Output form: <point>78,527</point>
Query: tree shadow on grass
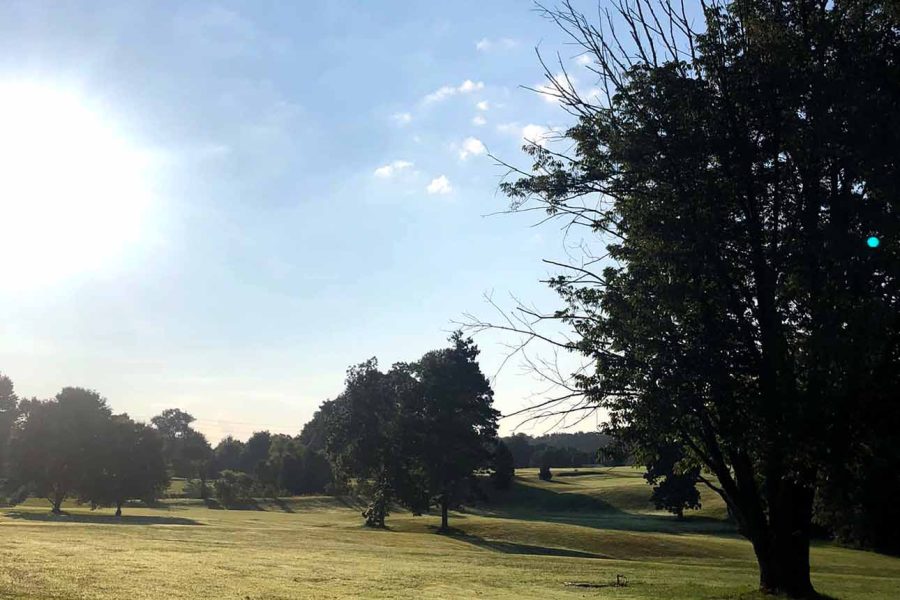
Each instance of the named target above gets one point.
<point>532,503</point>
<point>514,548</point>
<point>246,504</point>
<point>282,505</point>
<point>101,519</point>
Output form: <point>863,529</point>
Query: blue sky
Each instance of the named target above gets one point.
<point>317,184</point>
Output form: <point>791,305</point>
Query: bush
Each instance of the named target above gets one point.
<point>234,488</point>
<point>544,474</point>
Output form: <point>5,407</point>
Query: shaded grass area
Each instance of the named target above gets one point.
<point>99,518</point>
<point>316,547</point>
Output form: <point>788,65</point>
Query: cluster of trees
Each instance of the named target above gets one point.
<point>414,435</point>
<point>733,168</point>
<point>74,446</point>
<point>558,449</point>
<point>268,465</point>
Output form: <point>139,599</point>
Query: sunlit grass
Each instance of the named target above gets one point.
<point>315,547</point>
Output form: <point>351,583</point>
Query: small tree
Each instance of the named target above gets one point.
<point>674,480</point>
<point>544,473</point>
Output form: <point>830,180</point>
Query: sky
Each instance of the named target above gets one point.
<point>221,206</point>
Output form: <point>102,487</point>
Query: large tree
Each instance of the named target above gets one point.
<point>131,465</point>
<point>456,421</point>
<point>60,445</point>
<point>187,452</point>
<point>742,176</point>
<point>368,436</point>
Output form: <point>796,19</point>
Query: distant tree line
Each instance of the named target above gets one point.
<point>268,465</point>
<point>73,447</point>
<point>563,450</point>
<point>416,435</point>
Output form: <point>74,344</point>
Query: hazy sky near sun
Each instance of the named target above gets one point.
<point>317,181</point>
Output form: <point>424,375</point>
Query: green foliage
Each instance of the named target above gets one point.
<point>414,435</point>
<point>455,419</point>
<point>368,437</point>
<point>734,182</point>
<point>234,488</point>
<point>674,480</point>
<point>131,465</point>
<point>59,446</point>
<point>9,413</point>
<point>186,451</point>
<point>227,454</point>
<point>545,474</point>
<point>255,453</point>
<point>503,468</point>
<point>558,449</point>
<point>294,468</point>
<point>315,432</point>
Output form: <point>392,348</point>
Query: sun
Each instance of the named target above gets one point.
<point>73,191</point>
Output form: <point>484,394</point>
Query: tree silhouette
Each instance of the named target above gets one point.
<point>457,422</point>
<point>732,176</point>
<point>60,446</point>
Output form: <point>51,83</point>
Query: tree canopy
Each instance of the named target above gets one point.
<point>732,175</point>
<point>415,434</point>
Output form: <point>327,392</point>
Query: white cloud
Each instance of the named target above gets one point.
<point>471,147</point>
<point>486,45</point>
<point>479,120</point>
<point>483,105</point>
<point>389,170</point>
<point>439,185</point>
<point>531,133</point>
<point>593,95</point>
<point>549,91</point>
<point>446,91</point>
<point>470,86</point>
<point>440,94</point>
<point>584,59</point>
<point>537,134</point>
<point>509,127</point>
<point>402,118</point>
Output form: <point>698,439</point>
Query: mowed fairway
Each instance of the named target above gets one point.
<point>584,528</point>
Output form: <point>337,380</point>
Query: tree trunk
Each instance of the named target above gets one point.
<point>56,500</point>
<point>445,501</point>
<point>783,551</point>
<point>119,509</point>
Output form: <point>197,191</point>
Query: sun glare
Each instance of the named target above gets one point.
<point>73,190</point>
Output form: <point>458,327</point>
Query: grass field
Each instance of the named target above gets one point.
<point>585,527</point>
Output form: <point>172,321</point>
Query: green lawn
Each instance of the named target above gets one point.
<point>585,528</point>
